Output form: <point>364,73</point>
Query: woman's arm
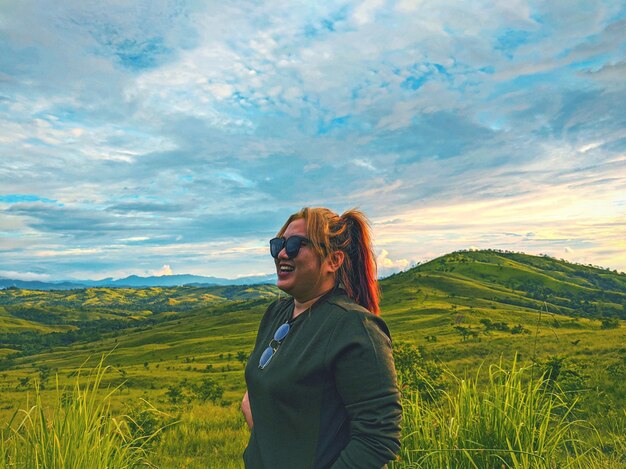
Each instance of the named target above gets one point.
<point>366,381</point>
<point>245,408</point>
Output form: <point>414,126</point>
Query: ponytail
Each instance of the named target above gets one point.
<point>358,272</point>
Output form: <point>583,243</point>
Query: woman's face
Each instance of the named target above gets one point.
<point>310,276</point>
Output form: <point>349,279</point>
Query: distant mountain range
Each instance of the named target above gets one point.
<point>134,281</point>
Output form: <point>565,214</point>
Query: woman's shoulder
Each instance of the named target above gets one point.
<point>342,303</point>
<point>349,314</point>
<point>356,335</point>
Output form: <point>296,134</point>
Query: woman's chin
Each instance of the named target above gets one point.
<point>284,284</point>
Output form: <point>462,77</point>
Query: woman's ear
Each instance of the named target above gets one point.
<point>335,260</point>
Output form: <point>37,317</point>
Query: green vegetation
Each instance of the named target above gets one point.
<point>37,321</point>
<point>206,436</point>
<point>501,279</point>
<point>182,349</point>
<point>78,431</point>
<point>513,421</point>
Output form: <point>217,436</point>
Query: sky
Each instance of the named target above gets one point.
<point>171,137</point>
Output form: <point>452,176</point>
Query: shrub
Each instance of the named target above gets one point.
<point>145,423</point>
<point>562,372</point>
<point>175,394</point>
<point>207,390</point>
<point>519,329</point>
<point>609,323</point>
<point>415,374</point>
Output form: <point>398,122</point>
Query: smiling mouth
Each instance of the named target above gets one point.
<point>285,268</point>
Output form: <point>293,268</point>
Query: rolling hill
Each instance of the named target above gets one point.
<point>502,279</point>
<point>476,284</point>
<point>472,297</point>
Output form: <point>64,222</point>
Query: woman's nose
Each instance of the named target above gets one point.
<point>283,253</point>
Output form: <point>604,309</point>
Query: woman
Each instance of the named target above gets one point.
<point>321,382</point>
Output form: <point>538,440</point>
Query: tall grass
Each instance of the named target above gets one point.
<point>511,422</point>
<point>207,436</point>
<point>76,431</point>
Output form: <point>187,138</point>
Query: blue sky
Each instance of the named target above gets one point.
<point>176,137</point>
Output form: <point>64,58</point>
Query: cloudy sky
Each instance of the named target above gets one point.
<point>152,137</point>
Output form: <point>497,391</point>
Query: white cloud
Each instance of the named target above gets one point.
<point>165,270</point>
<point>67,252</point>
<point>582,224</point>
<point>499,110</point>
<point>387,266</point>
<point>135,239</point>
<point>364,164</point>
<point>365,10</point>
<point>589,146</point>
<point>26,276</point>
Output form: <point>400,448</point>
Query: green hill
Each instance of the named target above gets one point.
<point>501,279</point>
<point>40,309</point>
<point>33,320</point>
<point>467,289</point>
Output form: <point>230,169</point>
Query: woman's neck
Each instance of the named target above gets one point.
<point>300,307</point>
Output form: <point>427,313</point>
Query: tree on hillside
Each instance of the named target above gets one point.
<point>207,389</point>
<point>242,357</point>
<point>145,423</point>
<point>561,371</point>
<point>609,323</point>
<point>490,325</point>
<point>519,329</point>
<point>174,394</point>
<point>23,382</point>
<point>466,332</point>
<point>44,374</point>
<point>415,374</point>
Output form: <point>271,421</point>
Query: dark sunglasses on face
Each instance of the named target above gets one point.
<point>292,245</point>
<point>271,349</point>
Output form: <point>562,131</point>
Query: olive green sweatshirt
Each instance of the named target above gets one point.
<point>328,398</point>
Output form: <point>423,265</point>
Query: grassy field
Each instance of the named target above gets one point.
<point>463,311</point>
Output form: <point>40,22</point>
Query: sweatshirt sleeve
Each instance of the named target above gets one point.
<point>360,356</point>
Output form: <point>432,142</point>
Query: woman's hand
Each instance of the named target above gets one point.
<point>245,408</point>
